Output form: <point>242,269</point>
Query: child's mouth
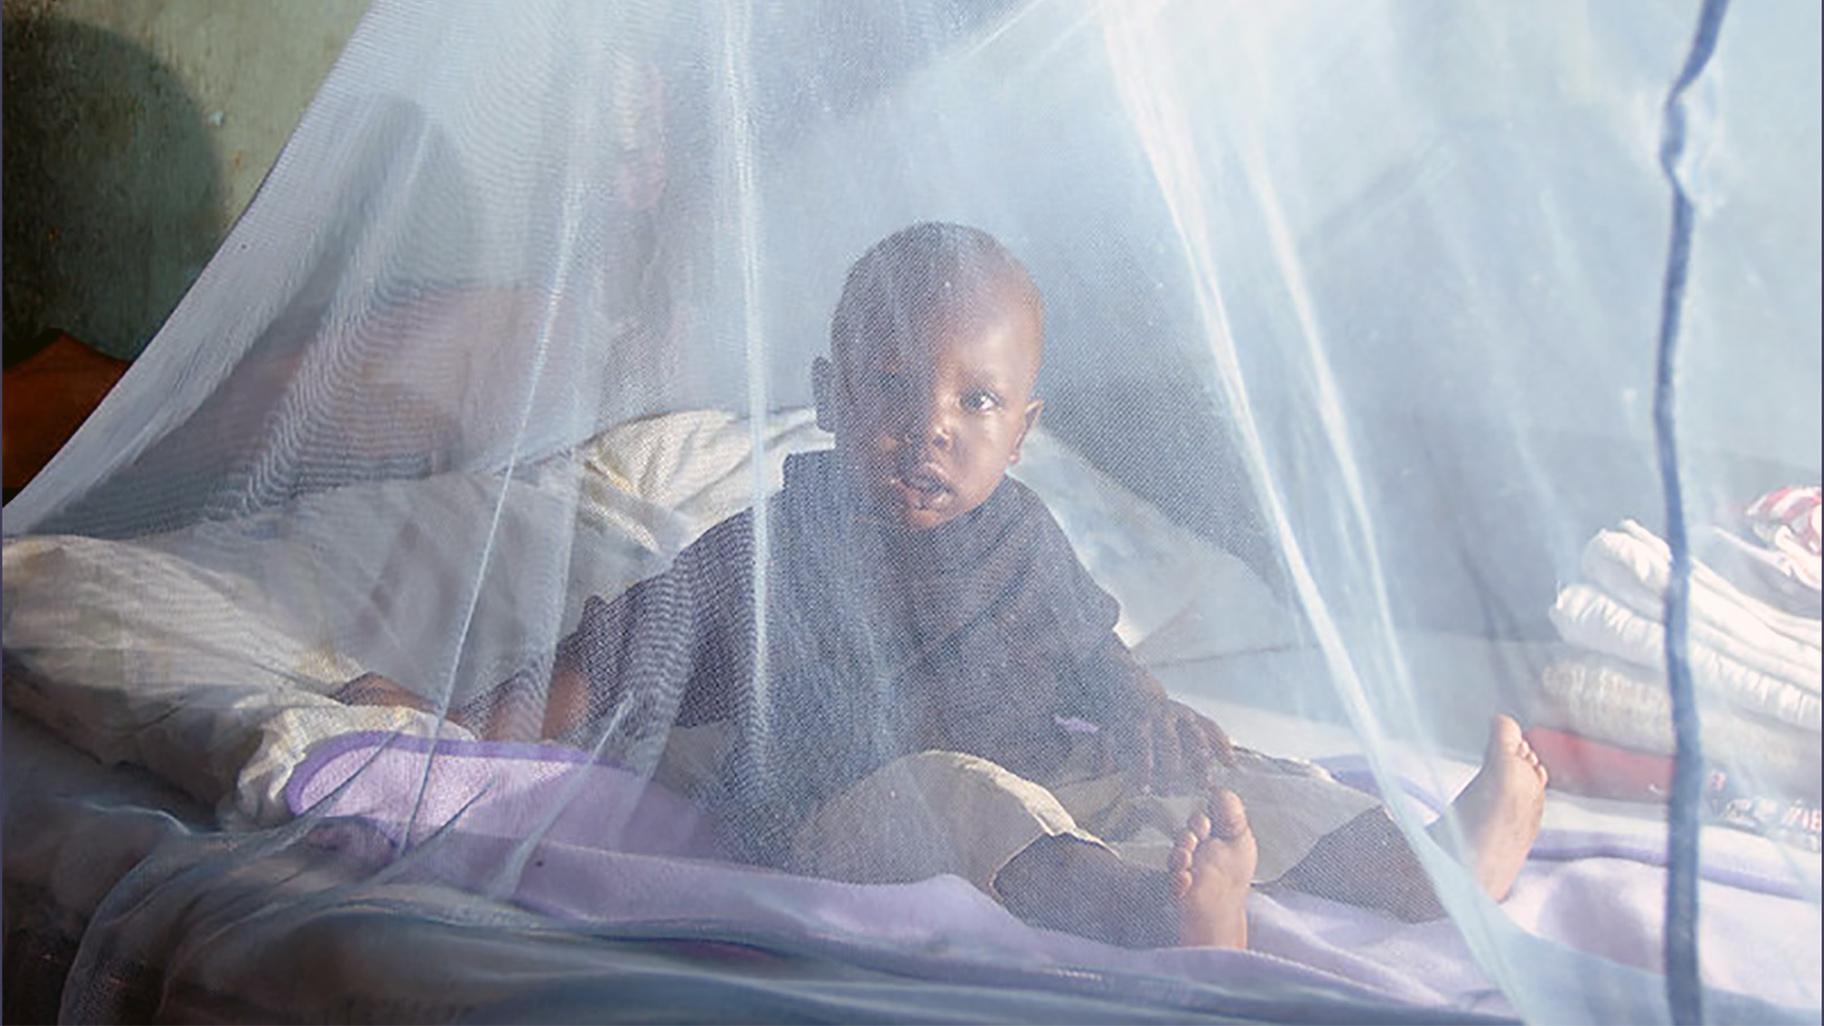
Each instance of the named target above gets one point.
<point>920,489</point>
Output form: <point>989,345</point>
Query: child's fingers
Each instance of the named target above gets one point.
<point>1199,826</point>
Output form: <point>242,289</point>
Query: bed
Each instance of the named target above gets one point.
<point>159,867</point>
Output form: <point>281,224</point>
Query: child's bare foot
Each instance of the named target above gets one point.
<point>1497,816</point>
<point>1212,870</point>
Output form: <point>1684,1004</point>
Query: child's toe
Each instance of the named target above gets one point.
<point>1182,852</point>
<point>1504,734</point>
<point>1230,817</point>
<point>1181,883</point>
<point>1198,827</point>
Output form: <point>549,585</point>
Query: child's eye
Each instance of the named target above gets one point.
<point>981,402</point>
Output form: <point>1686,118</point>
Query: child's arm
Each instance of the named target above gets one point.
<point>676,647</point>
<point>485,717</point>
<point>374,689</point>
<point>479,717</point>
<point>670,647</point>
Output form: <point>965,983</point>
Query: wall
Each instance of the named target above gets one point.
<point>135,133</point>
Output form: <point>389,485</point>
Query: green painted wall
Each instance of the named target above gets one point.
<point>135,132</point>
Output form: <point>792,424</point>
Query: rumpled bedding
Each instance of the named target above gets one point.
<point>1790,523</point>
<point>134,656</point>
<point>164,653</point>
<point>1635,566</point>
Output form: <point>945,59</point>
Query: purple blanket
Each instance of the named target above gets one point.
<point>622,855</point>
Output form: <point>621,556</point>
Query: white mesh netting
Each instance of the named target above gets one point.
<point>543,569</point>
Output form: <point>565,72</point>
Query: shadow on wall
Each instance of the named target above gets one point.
<point>112,185</point>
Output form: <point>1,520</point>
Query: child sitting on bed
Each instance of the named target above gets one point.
<point>942,689</point>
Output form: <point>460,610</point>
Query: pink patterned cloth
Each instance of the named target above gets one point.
<point>1793,511</point>
<point>1775,547</point>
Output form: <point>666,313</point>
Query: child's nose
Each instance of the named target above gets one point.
<point>929,420</point>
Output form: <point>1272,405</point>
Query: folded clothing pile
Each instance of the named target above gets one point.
<point>1755,645</point>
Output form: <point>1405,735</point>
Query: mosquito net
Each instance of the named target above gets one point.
<point>929,509</point>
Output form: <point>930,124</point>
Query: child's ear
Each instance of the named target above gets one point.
<point>823,391</point>
<point>1032,420</point>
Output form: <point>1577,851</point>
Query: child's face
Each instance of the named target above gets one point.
<point>926,425</point>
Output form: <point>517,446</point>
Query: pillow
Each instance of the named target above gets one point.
<point>137,656</point>
<point>447,584</point>
<point>668,479</point>
<point>450,584</point>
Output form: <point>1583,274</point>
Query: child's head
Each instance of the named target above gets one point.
<point>936,344</point>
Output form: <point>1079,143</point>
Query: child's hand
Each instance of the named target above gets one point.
<point>374,689</point>
<point>1172,748</point>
